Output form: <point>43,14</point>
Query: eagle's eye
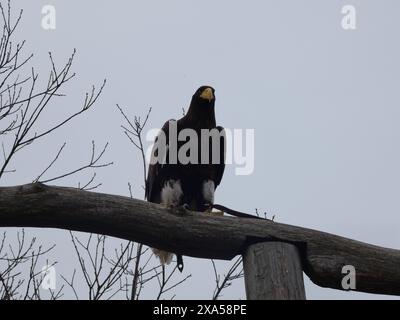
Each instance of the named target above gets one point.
<point>207,94</point>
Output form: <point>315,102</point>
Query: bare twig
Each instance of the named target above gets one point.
<point>15,281</point>
<point>92,164</point>
<point>234,273</point>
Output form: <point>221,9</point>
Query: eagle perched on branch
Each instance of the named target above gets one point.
<point>187,168</point>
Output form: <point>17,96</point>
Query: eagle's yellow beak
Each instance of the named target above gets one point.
<point>207,94</point>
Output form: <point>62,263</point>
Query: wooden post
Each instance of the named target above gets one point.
<point>273,271</point>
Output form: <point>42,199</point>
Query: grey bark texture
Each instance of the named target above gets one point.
<point>273,271</point>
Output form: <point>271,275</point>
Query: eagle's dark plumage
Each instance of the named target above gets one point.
<point>189,184</point>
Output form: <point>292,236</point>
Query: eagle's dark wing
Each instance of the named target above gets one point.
<point>155,176</point>
<point>220,168</point>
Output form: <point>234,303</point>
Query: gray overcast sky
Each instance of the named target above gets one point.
<point>324,103</point>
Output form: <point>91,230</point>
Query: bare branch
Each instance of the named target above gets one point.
<point>93,164</point>
<point>197,234</point>
<point>234,273</point>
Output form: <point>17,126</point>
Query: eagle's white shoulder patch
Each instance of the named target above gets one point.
<point>171,193</point>
<point>208,191</point>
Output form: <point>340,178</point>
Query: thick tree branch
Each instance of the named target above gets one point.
<point>197,235</point>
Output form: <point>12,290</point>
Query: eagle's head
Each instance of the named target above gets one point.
<point>201,110</point>
<point>204,96</point>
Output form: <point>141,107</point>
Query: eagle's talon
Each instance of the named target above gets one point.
<point>168,206</point>
<point>182,210</point>
<point>186,207</point>
<point>216,213</point>
<point>209,207</point>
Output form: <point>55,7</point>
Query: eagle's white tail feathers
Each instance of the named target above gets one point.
<point>164,256</point>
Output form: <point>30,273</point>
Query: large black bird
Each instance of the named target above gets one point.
<point>179,183</point>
